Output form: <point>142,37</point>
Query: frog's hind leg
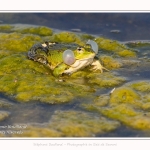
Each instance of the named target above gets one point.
<point>32,53</point>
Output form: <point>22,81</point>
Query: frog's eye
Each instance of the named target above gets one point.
<point>93,45</point>
<point>80,50</point>
<point>68,57</point>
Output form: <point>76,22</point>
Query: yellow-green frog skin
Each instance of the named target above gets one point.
<point>51,54</point>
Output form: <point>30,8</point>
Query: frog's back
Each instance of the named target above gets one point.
<point>55,53</point>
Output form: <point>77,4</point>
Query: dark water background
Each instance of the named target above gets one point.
<point>131,26</point>
<point>118,26</point>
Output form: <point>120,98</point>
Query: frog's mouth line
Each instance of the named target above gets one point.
<point>81,63</point>
<point>91,56</point>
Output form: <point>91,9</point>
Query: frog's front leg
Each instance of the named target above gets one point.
<point>59,70</point>
<point>97,66</point>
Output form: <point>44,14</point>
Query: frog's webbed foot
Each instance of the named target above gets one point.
<point>32,53</point>
<point>97,66</point>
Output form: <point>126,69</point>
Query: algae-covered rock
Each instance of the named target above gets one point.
<point>125,113</point>
<point>67,37</point>
<point>110,63</point>
<point>129,116</point>
<point>4,115</point>
<point>17,42</point>
<point>114,46</point>
<point>124,95</point>
<point>71,125</point>
<point>26,29</point>
<point>142,86</point>
<point>41,31</point>
<point>37,131</point>
<point>105,79</point>
<point>26,80</point>
<point>87,37</point>
<point>126,53</point>
<point>124,104</point>
<point>5,28</point>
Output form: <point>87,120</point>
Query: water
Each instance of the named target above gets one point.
<point>117,26</point>
<point>131,26</point>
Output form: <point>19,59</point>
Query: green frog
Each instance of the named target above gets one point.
<point>64,58</point>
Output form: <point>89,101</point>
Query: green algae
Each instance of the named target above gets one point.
<point>109,62</point>
<point>41,31</point>
<point>105,79</point>
<point>4,115</point>
<point>17,42</point>
<point>87,37</point>
<point>124,113</point>
<point>27,29</point>
<point>67,37</point>
<point>124,95</point>
<point>101,100</point>
<point>37,131</point>
<point>5,28</point>
<point>25,80</point>
<point>4,53</point>
<point>126,53</point>
<point>124,104</point>
<point>69,124</point>
<point>142,86</point>
<point>114,46</point>
<point>128,115</point>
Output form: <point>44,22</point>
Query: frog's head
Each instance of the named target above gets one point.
<point>81,53</point>
<point>74,60</point>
